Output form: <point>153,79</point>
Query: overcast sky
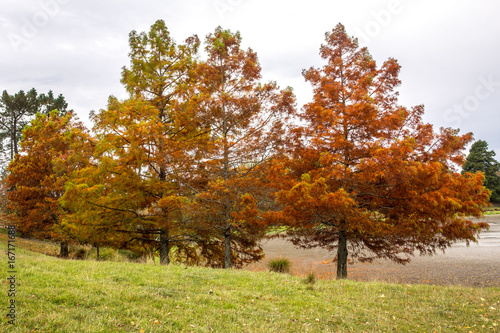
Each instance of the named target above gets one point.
<point>448,49</point>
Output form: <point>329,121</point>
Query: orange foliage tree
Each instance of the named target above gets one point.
<point>366,176</point>
<point>4,220</point>
<point>52,147</point>
<point>246,121</point>
<point>131,197</point>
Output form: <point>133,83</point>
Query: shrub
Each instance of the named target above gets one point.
<point>79,252</point>
<point>280,265</point>
<point>130,255</point>
<point>310,278</point>
<point>108,254</point>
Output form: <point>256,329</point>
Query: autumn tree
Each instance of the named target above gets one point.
<point>366,176</point>
<point>51,148</point>
<point>480,159</point>
<point>16,111</point>
<point>131,194</point>
<point>4,220</point>
<point>246,123</point>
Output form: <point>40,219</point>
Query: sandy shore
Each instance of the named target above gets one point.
<point>477,265</point>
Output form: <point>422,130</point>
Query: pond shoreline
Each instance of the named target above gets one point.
<point>477,265</point>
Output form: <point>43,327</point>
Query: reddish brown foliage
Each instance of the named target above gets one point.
<point>52,147</point>
<point>245,121</point>
<point>366,175</point>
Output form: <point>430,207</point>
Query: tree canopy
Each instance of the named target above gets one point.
<point>480,159</point>
<point>365,175</point>
<point>245,120</point>
<point>203,157</point>
<point>178,162</point>
<point>51,149</point>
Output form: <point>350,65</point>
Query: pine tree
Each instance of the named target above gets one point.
<point>482,160</point>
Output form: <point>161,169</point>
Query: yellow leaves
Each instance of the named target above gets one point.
<point>306,178</point>
<point>171,202</point>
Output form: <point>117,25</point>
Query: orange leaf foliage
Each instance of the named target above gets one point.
<point>133,195</point>
<point>368,171</point>
<point>52,148</point>
<point>245,121</point>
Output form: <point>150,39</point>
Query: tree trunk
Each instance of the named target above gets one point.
<point>98,256</point>
<point>164,247</point>
<point>64,250</point>
<point>13,143</point>
<point>227,247</point>
<point>342,256</point>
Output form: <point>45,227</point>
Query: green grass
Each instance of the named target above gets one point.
<point>494,209</point>
<point>55,295</point>
<point>310,278</point>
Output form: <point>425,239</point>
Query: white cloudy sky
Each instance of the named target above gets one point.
<point>449,49</point>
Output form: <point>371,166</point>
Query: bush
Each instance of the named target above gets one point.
<point>130,255</point>
<point>79,251</point>
<point>310,278</point>
<point>108,254</point>
<point>280,265</point>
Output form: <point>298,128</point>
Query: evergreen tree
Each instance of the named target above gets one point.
<point>15,112</point>
<point>480,159</point>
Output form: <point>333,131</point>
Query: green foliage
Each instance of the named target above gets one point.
<point>480,159</point>
<point>130,255</point>
<point>15,112</point>
<point>280,265</point>
<point>110,254</point>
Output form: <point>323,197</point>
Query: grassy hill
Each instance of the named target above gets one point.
<point>55,295</point>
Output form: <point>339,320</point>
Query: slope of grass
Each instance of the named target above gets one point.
<point>55,295</point>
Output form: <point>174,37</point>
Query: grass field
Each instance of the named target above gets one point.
<point>54,295</point>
